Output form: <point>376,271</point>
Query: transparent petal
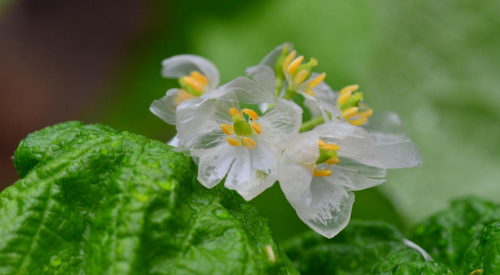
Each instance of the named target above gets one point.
<point>271,58</point>
<point>257,90</point>
<point>182,65</point>
<point>387,127</point>
<point>199,121</point>
<point>254,170</point>
<point>214,164</point>
<point>319,107</point>
<point>280,123</point>
<point>358,145</point>
<point>174,141</point>
<point>355,176</point>
<point>165,107</point>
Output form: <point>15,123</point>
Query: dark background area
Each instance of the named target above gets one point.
<point>435,63</point>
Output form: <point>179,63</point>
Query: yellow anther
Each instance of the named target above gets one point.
<point>227,129</point>
<point>343,97</point>
<point>257,128</point>
<point>233,112</point>
<point>349,112</point>
<point>289,59</point>
<point>200,77</point>
<point>366,114</point>
<point>309,91</point>
<point>321,143</point>
<point>251,113</point>
<point>194,83</point>
<point>249,143</point>
<point>350,88</point>
<point>332,161</point>
<point>322,173</point>
<point>232,142</point>
<point>329,147</point>
<point>299,77</point>
<point>358,122</point>
<point>295,64</point>
<point>182,96</point>
<point>315,81</point>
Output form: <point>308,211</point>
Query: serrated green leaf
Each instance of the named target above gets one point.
<point>95,201</point>
<point>361,248</point>
<point>449,234</point>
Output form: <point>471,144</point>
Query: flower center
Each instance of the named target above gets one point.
<point>195,84</point>
<point>242,130</point>
<point>300,72</point>
<point>353,109</point>
<point>328,156</point>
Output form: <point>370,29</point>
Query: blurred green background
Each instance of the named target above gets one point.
<point>436,63</point>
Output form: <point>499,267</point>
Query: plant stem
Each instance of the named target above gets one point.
<point>309,125</point>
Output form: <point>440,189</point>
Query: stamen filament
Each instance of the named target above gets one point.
<point>249,143</point>
<point>349,112</point>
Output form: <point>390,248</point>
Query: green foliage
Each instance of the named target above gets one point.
<point>449,234</point>
<point>486,256</point>
<point>96,201</point>
<point>361,248</point>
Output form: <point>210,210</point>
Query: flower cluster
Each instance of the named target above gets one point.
<point>249,132</point>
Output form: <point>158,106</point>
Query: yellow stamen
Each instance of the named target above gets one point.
<point>227,129</point>
<point>257,128</point>
<point>315,82</point>
<point>232,142</point>
<point>182,96</point>
<point>249,143</point>
<point>289,59</point>
<point>322,173</point>
<point>349,112</point>
<point>332,161</point>
<point>350,88</point>
<point>193,82</point>
<point>309,91</point>
<point>366,114</point>
<point>200,77</point>
<point>321,143</point>
<point>233,112</point>
<point>251,113</point>
<point>295,64</point>
<point>299,77</point>
<point>357,122</point>
<point>343,97</point>
<point>329,147</point>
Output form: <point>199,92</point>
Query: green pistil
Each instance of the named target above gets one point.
<point>242,128</point>
<point>352,101</point>
<point>326,155</point>
<point>188,88</point>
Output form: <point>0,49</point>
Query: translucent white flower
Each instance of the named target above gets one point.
<point>197,77</point>
<point>320,169</point>
<point>237,142</point>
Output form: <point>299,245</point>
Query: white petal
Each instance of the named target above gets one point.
<point>387,127</point>
<point>320,107</point>
<point>174,141</point>
<point>358,145</point>
<point>254,170</point>
<point>257,90</point>
<point>271,58</point>
<point>280,123</point>
<point>214,164</point>
<point>182,65</point>
<point>164,107</point>
<point>199,121</point>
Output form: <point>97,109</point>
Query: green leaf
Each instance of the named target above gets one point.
<point>486,256</point>
<point>96,201</point>
<point>361,248</point>
<point>449,234</point>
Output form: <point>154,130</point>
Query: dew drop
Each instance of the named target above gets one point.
<point>55,260</point>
